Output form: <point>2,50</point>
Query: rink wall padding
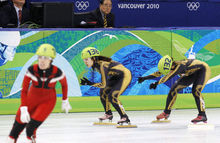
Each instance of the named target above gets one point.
<point>130,103</point>
<point>137,49</point>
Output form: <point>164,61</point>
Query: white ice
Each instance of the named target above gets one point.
<point>79,128</point>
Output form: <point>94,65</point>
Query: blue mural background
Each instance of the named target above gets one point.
<point>138,50</point>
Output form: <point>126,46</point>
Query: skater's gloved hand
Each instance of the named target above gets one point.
<point>66,106</point>
<point>141,79</point>
<point>85,81</point>
<point>25,116</point>
<point>153,85</point>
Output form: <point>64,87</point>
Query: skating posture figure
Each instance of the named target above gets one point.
<point>39,98</point>
<point>191,72</point>
<point>115,79</point>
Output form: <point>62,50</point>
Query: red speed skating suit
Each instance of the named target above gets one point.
<point>40,96</point>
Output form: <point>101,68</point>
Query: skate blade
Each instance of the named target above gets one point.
<point>126,126</point>
<point>104,123</point>
<point>161,121</point>
<point>201,126</point>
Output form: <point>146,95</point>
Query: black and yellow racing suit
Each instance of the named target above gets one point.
<point>191,72</point>
<point>115,79</point>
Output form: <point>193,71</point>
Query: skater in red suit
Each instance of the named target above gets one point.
<point>115,79</point>
<point>191,71</point>
<point>38,94</point>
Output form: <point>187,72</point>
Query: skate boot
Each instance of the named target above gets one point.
<point>11,140</point>
<point>33,137</point>
<point>124,120</point>
<point>105,117</point>
<point>29,141</point>
<point>163,116</point>
<point>199,118</point>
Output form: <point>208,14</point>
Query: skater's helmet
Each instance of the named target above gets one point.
<point>10,38</point>
<point>89,52</point>
<point>46,50</point>
<point>165,64</point>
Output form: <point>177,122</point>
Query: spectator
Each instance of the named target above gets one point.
<point>14,14</point>
<point>103,15</point>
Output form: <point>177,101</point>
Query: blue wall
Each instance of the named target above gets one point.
<point>157,13</point>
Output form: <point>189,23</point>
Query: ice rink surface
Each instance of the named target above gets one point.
<point>79,128</point>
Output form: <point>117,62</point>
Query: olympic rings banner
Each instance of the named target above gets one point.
<point>157,13</point>
<point>166,13</point>
<point>79,5</point>
<point>138,50</point>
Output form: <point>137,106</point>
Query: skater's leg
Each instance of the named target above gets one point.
<point>105,101</point>
<point>200,103</point>
<point>118,106</point>
<point>39,115</point>
<point>116,90</point>
<point>177,86</point>
<point>16,130</point>
<point>113,97</point>
<point>42,111</point>
<point>106,104</point>
<point>31,129</point>
<point>201,79</point>
<point>171,98</point>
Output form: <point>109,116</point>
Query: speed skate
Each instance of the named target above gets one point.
<point>125,123</point>
<point>162,118</point>
<point>161,121</point>
<point>104,123</point>
<point>105,117</point>
<point>200,122</point>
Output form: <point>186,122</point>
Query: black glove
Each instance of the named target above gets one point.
<point>141,79</point>
<point>85,81</point>
<point>153,85</point>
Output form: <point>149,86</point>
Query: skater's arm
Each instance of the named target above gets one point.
<point>65,102</point>
<point>103,74</point>
<point>64,85</point>
<point>25,87</point>
<point>151,76</point>
<point>172,73</point>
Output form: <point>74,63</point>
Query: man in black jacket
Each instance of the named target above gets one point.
<point>14,14</point>
<point>103,15</point>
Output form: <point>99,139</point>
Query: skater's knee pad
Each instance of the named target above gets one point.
<point>16,130</point>
<point>32,127</point>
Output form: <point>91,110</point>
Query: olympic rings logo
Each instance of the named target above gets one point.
<point>81,5</point>
<point>193,6</point>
